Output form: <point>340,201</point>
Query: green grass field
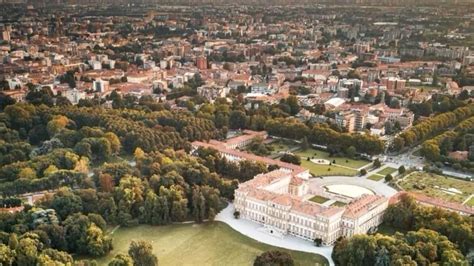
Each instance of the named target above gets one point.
<point>322,170</point>
<point>386,171</point>
<point>319,199</point>
<point>433,185</point>
<point>317,154</point>
<point>206,244</point>
<point>376,177</point>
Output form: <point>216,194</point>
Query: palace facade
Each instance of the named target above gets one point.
<point>279,200</point>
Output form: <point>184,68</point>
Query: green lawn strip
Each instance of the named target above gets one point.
<point>318,154</point>
<point>205,244</point>
<point>327,170</point>
<point>376,177</point>
<point>386,171</point>
<point>319,199</point>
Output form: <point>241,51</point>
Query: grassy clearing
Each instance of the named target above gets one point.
<point>376,177</point>
<point>206,244</point>
<point>386,171</point>
<point>327,170</point>
<point>437,185</point>
<point>317,154</point>
<point>319,199</point>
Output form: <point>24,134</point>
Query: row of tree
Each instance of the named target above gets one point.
<point>323,134</point>
<point>432,126</point>
<point>459,138</point>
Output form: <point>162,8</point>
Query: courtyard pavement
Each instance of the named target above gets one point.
<point>253,230</point>
<point>380,188</point>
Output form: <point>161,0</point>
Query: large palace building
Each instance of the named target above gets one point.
<point>279,200</point>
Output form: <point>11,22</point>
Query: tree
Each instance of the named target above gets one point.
<point>237,119</point>
<point>377,163</point>
<point>13,241</point>
<point>401,169</point>
<point>274,257</point>
<point>97,243</point>
<point>142,254</point>
<point>54,257</point>
<point>106,182</point>
<point>363,172</point>
<point>292,101</point>
<point>27,173</point>
<point>388,178</point>
<point>318,242</point>
<point>28,249</point>
<point>114,141</point>
<point>291,158</point>
<point>351,151</point>
<point>236,214</point>
<point>304,143</point>
<point>65,202</point>
<point>7,255</point>
<point>121,260</point>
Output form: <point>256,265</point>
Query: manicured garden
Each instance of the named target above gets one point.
<point>438,186</point>
<point>327,170</point>
<point>386,171</point>
<point>319,199</point>
<point>376,177</point>
<point>206,244</point>
<point>343,161</point>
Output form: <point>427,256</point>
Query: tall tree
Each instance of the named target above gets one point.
<point>142,254</point>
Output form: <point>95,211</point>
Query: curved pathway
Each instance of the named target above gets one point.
<point>251,229</point>
<point>380,188</point>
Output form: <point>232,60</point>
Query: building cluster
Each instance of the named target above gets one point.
<point>317,56</point>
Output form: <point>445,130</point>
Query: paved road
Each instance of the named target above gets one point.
<point>251,229</point>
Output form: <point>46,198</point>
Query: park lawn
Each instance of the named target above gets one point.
<point>376,177</point>
<point>470,202</point>
<point>386,171</point>
<point>205,244</point>
<point>319,199</point>
<point>434,182</point>
<point>322,169</point>
<point>318,154</point>
<point>338,204</point>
